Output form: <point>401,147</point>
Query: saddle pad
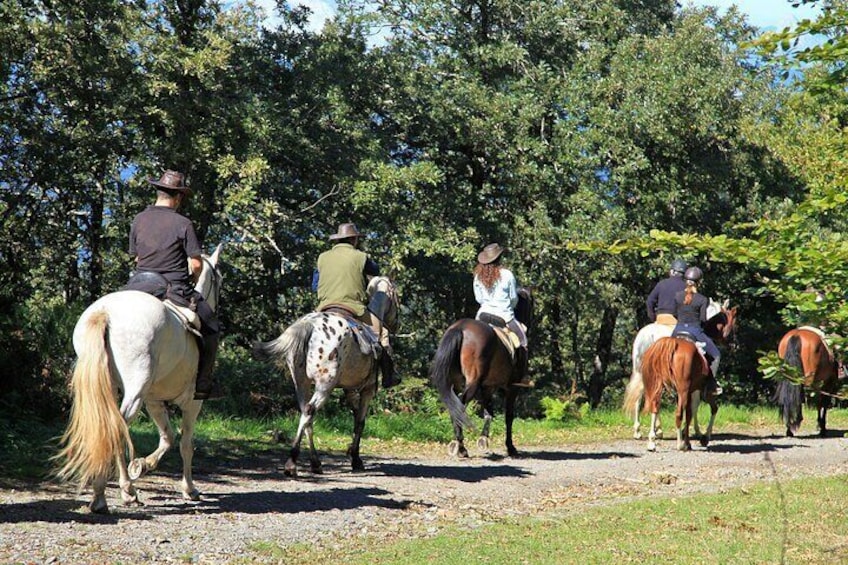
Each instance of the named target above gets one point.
<point>508,338</point>
<point>188,317</point>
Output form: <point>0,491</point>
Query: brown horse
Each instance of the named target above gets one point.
<point>805,349</point>
<point>472,359</point>
<point>672,362</point>
<point>720,327</point>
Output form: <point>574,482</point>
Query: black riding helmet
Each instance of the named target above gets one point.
<point>678,266</point>
<point>693,274</point>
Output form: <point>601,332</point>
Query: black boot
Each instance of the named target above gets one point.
<point>387,368</point>
<point>207,387</point>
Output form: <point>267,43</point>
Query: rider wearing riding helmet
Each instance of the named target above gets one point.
<point>660,302</point>
<point>691,313</point>
<point>496,290</point>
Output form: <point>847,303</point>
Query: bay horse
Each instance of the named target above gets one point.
<point>472,359</point>
<point>322,351</point>
<point>676,363</point>
<point>720,327</point>
<point>132,342</point>
<point>805,349</point>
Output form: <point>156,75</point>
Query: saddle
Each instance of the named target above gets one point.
<point>509,338</point>
<point>368,341</point>
<point>158,286</point>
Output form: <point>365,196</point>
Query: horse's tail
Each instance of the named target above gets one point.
<point>790,396</point>
<point>96,432</point>
<point>656,368</point>
<point>445,362</point>
<point>633,392</point>
<point>292,346</point>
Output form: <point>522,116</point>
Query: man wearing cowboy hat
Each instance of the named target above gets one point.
<point>341,280</point>
<point>164,242</point>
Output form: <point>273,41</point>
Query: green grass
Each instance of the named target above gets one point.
<point>801,521</point>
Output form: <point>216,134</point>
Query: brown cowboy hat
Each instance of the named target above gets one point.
<point>172,180</point>
<point>490,253</point>
<point>346,231</point>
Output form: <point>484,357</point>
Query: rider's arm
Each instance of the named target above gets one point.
<point>650,303</point>
<point>371,268</point>
<point>195,266</point>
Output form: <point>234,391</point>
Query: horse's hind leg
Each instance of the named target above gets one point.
<point>190,411</point>
<point>682,419</point>
<point>457,447</point>
<point>821,417</point>
<point>140,466</point>
<point>98,503</point>
<point>129,494</point>
<point>486,413</point>
<point>359,403</point>
<point>509,416</point>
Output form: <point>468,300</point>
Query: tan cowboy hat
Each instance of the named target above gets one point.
<point>172,180</point>
<point>346,231</point>
<point>490,253</point>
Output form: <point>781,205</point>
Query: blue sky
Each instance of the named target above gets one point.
<point>765,14</point>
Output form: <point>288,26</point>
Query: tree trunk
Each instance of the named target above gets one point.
<point>603,349</point>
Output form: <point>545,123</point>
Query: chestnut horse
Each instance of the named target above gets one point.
<point>720,327</point>
<point>472,359</point>
<point>805,349</point>
<point>672,362</point>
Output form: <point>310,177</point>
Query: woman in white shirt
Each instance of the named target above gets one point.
<point>496,290</point>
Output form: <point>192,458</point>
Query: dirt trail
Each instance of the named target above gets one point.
<point>251,501</point>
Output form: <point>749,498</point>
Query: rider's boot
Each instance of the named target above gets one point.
<point>521,364</point>
<point>712,385</point>
<point>387,368</point>
<point>207,386</point>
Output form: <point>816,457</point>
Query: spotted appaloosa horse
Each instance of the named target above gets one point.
<point>720,326</point>
<point>804,348</point>
<point>471,358</point>
<point>322,352</point>
<point>675,363</point>
<point>130,341</point>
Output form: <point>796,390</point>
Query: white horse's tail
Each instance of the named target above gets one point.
<point>633,392</point>
<point>96,432</point>
<point>292,346</point>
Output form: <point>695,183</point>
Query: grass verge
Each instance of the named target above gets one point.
<point>801,521</point>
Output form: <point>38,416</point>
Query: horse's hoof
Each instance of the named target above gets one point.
<point>704,442</point>
<point>637,435</point>
<point>685,446</point>
<point>357,465</point>
<point>316,468</point>
<point>512,452</point>
<point>98,505</point>
<point>137,468</point>
<point>453,448</point>
<point>659,434</point>
<point>290,470</point>
<point>483,443</point>
<point>652,445</point>
<point>193,495</point>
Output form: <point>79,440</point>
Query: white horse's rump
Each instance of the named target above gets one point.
<point>130,341</point>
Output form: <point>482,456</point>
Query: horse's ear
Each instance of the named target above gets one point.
<point>725,304</point>
<point>216,254</point>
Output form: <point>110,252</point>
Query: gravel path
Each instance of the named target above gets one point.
<point>251,502</point>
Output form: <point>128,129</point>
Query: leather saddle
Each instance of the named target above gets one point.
<point>509,338</point>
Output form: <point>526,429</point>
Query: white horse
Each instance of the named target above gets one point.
<point>130,341</point>
<point>322,352</point>
<point>644,339</point>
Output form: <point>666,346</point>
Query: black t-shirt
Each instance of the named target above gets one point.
<point>163,240</point>
<point>694,313</point>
